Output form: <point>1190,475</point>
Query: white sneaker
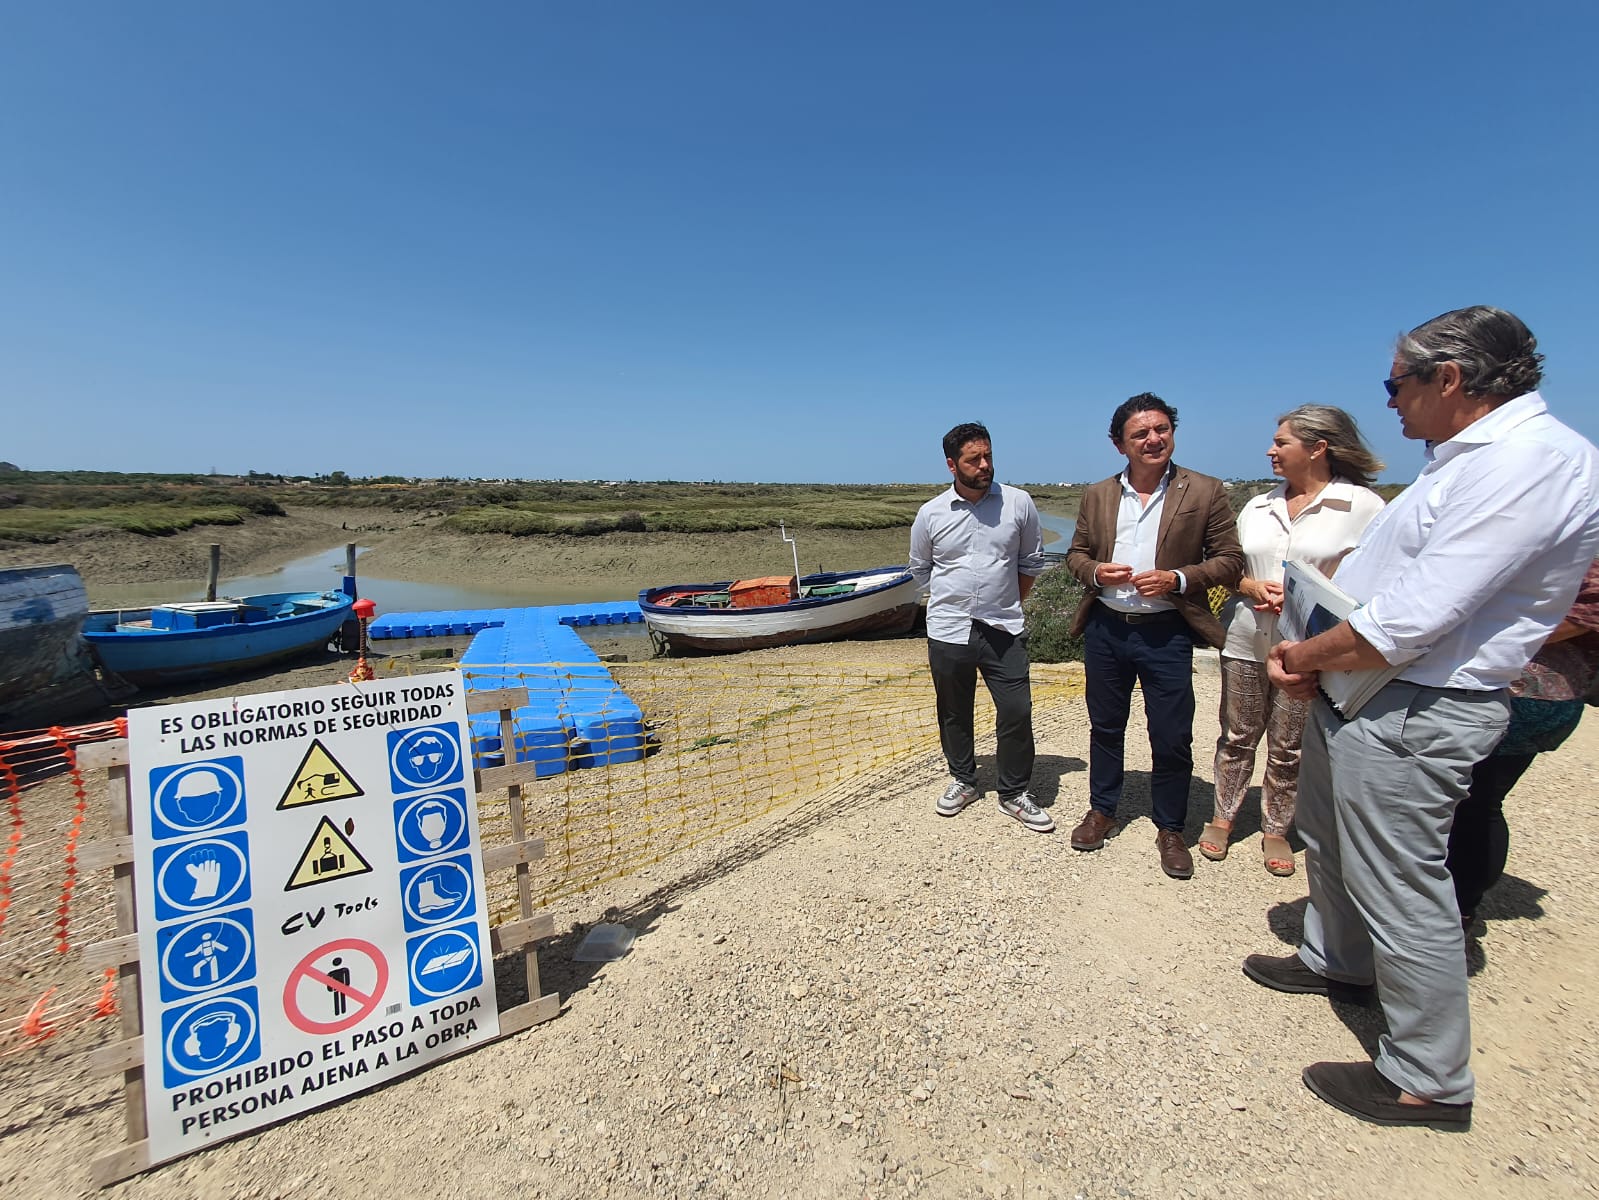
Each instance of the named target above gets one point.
<point>956,797</point>
<point>1029,814</point>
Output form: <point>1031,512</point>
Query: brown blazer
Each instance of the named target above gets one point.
<point>1198,536</point>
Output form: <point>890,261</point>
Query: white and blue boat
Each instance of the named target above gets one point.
<point>755,614</point>
<point>170,643</point>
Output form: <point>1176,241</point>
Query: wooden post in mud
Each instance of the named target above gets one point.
<point>214,573</point>
<point>349,559</point>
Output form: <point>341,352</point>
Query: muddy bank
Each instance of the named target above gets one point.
<point>407,547</point>
<point>109,559</point>
<point>622,563</point>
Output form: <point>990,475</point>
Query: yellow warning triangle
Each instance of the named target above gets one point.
<point>328,855</point>
<point>318,779</point>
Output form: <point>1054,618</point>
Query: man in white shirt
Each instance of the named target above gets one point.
<point>978,548</point>
<point>1461,578</point>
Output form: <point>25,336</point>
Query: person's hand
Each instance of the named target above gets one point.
<point>1299,685</point>
<point>1268,596</point>
<point>1113,574</point>
<point>1155,583</point>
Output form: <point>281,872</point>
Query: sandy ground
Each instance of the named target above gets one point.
<point>854,997</point>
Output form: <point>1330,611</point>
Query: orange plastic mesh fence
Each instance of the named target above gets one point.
<point>48,909</point>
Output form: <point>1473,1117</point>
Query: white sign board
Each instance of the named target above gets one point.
<point>310,900</point>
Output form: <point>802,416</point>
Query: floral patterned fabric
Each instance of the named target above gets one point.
<point>1566,670</point>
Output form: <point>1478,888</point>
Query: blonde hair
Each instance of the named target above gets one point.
<point>1348,455</point>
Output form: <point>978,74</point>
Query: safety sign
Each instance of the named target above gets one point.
<point>336,986</point>
<point>196,797</point>
<point>443,964</point>
<point>204,955</point>
<point>329,855</point>
<point>437,893</point>
<point>309,900</point>
<point>318,780</point>
<point>191,877</point>
<point>424,758</point>
<point>208,1037</point>
<point>431,824</point>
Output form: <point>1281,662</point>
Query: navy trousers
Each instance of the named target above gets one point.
<point>1002,659</point>
<point>1479,840</point>
<point>1158,655</point>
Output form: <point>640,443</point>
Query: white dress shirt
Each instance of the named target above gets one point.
<point>970,554</point>
<point>1325,530</point>
<point>1137,531</point>
<point>1469,569</point>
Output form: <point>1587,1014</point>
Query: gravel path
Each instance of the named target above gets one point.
<point>856,997</point>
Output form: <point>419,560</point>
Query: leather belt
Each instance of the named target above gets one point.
<point>1140,618</point>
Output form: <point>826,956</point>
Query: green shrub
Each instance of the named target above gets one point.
<point>24,524</point>
<point>1049,609</point>
<point>501,520</point>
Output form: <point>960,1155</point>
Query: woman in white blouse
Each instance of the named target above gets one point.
<point>1316,514</point>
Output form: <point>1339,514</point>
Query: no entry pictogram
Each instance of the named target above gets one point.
<point>338,986</point>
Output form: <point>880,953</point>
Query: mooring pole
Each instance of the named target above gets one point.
<point>365,610</point>
<point>215,572</point>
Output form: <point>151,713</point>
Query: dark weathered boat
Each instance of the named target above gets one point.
<point>719,618</point>
<point>46,674</point>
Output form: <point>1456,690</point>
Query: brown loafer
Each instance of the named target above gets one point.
<point>1091,834</point>
<point>1360,1090</point>
<point>1174,857</point>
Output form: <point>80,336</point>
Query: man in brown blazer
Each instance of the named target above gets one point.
<point>1150,544</point>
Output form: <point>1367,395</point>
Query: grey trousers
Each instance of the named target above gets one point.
<point>1377,797</point>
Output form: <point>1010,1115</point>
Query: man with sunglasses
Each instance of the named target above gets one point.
<point>1461,578</point>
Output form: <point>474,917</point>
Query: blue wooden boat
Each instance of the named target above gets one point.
<point>173,642</point>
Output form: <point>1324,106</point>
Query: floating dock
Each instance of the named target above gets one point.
<point>461,622</point>
<point>576,715</point>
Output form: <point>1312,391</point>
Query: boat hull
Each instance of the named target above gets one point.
<point>887,607</point>
<point>46,675</point>
<point>162,656</point>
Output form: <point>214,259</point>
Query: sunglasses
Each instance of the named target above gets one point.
<point>1392,383</point>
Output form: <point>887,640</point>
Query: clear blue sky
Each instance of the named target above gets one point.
<point>766,241</point>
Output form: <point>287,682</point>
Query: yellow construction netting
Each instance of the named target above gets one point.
<point>729,740</point>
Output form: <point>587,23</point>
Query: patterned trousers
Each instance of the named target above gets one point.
<point>1250,706</point>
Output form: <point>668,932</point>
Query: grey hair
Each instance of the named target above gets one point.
<point>1348,456</point>
<point>1496,353</point>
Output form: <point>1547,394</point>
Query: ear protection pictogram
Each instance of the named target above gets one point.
<point>191,1044</point>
